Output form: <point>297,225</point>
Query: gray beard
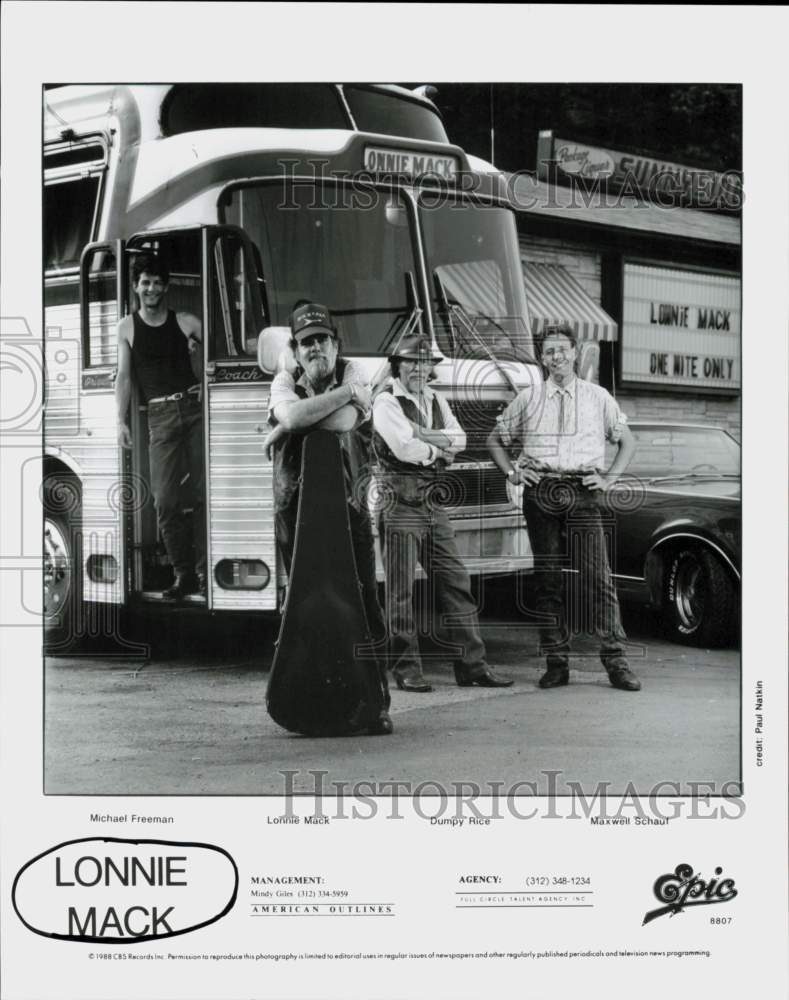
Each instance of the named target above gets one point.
<point>319,374</point>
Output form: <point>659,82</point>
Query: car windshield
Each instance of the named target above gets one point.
<point>684,451</point>
<point>347,248</point>
<point>478,300</point>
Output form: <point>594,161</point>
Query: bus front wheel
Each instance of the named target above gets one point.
<point>63,610</point>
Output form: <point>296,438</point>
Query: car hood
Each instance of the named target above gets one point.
<point>727,488</point>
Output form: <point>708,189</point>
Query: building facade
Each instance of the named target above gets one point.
<point>654,292</point>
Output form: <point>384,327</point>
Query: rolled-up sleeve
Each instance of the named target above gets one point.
<point>354,373</point>
<point>510,422</point>
<point>452,426</point>
<point>283,390</point>
<point>613,419</point>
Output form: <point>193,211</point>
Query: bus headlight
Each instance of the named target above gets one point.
<point>102,568</point>
<point>242,574</point>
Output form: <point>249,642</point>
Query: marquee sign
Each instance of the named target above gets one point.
<point>680,327</point>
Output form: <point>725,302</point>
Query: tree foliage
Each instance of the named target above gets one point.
<point>693,124</point>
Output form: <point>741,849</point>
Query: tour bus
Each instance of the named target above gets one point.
<point>259,195</point>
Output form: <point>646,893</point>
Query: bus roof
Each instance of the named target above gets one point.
<point>166,109</point>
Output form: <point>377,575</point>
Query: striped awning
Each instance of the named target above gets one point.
<point>555,297</point>
<point>476,284</point>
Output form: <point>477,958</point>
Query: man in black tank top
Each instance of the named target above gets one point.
<point>163,350</point>
<point>416,438</point>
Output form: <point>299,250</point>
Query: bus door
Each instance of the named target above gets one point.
<point>83,496</point>
<point>150,572</point>
<point>214,276</point>
<point>241,538</point>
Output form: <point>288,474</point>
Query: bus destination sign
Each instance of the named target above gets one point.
<point>409,163</point>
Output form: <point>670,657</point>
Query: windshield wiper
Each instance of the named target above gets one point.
<point>455,310</point>
<point>444,310</point>
<point>412,324</point>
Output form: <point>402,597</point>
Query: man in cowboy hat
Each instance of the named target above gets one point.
<point>416,437</point>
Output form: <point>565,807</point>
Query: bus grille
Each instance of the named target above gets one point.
<point>479,486</point>
<point>477,418</point>
<point>473,481</point>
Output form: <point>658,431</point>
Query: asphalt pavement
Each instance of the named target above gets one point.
<point>191,720</point>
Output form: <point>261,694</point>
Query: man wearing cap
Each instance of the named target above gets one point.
<point>416,437</point>
<point>164,351</point>
<point>561,431</point>
<point>327,391</point>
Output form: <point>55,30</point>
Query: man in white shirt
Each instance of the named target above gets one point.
<point>562,432</point>
<point>416,437</point>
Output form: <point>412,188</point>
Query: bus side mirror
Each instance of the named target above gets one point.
<point>273,342</point>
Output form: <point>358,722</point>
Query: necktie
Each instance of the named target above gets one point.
<point>562,407</point>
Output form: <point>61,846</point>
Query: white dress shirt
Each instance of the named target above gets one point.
<point>590,417</point>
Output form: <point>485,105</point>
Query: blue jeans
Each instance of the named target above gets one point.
<point>175,434</point>
<point>412,533</point>
<point>566,532</point>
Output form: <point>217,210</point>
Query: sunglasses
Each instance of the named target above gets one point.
<point>315,338</point>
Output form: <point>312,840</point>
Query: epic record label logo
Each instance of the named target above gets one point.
<point>681,889</point>
<point>111,890</point>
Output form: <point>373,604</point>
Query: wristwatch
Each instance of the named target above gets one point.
<point>509,473</point>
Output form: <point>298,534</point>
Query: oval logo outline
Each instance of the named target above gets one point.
<point>585,161</point>
<point>132,938</point>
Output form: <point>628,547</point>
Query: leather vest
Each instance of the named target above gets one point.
<point>409,482</point>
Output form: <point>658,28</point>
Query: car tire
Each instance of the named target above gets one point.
<point>700,606</point>
<point>63,607</point>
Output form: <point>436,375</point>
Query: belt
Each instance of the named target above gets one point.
<point>193,390</point>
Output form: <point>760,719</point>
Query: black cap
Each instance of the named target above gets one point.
<point>311,317</point>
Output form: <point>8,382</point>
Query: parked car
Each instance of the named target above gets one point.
<point>677,530</point>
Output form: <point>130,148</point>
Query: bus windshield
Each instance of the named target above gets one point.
<point>393,114</point>
<point>196,106</point>
<point>477,296</point>
<point>351,250</point>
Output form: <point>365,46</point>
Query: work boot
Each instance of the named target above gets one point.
<point>623,678</point>
<point>554,677</point>
<point>183,585</point>
<point>412,679</point>
<point>382,725</point>
<point>480,674</point>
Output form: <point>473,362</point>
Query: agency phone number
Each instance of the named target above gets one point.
<point>546,881</point>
